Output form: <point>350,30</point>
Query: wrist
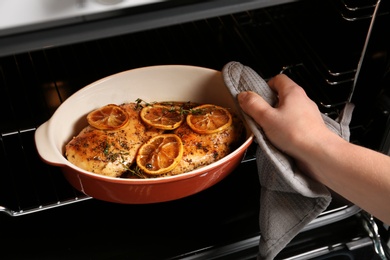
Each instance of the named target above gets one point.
<point>316,153</point>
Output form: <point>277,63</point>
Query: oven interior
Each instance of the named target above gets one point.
<point>317,43</point>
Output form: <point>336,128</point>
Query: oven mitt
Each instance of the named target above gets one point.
<point>289,199</point>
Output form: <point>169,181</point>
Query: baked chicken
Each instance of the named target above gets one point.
<point>113,152</point>
<point>204,149</point>
<point>110,153</point>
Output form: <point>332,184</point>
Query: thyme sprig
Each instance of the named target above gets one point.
<point>193,111</point>
<point>184,109</point>
<point>114,156</point>
<point>140,103</point>
<point>136,171</point>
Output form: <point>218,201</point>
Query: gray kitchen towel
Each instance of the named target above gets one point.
<point>289,200</point>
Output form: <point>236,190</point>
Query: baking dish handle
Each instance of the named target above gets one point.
<point>46,150</point>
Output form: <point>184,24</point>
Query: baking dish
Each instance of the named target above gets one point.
<point>155,83</point>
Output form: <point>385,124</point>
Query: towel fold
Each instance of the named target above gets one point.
<point>289,199</point>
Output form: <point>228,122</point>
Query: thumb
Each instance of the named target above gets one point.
<point>254,106</point>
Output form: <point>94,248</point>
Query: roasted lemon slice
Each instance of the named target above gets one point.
<point>109,117</point>
<point>160,154</point>
<point>209,119</point>
<point>162,117</point>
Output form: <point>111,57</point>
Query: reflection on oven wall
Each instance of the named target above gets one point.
<point>18,16</point>
<point>55,93</point>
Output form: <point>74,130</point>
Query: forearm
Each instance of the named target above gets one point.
<point>357,173</point>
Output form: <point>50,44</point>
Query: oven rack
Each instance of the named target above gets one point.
<point>35,83</point>
<point>38,208</point>
<point>48,189</point>
<point>34,186</point>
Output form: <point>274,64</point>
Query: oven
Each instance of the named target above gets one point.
<point>337,50</point>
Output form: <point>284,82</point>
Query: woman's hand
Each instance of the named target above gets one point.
<point>294,124</point>
<point>296,127</point>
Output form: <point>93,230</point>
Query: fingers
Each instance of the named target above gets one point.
<point>282,84</point>
<point>289,94</point>
<point>254,105</point>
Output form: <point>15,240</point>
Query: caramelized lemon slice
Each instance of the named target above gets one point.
<point>109,117</point>
<point>160,154</point>
<point>209,119</point>
<point>162,117</point>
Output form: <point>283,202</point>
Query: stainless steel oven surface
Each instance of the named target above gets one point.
<point>331,48</point>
